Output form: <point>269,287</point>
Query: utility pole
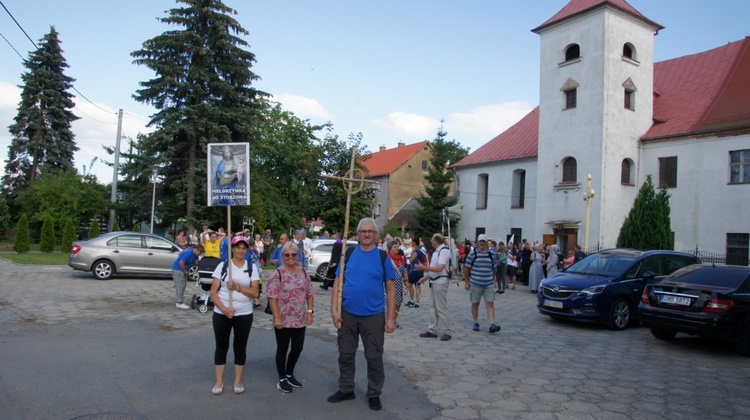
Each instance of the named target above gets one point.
<point>113,195</point>
<point>587,196</point>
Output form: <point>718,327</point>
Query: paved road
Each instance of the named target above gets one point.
<point>72,346</point>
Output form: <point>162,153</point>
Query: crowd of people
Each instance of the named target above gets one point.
<point>366,298</point>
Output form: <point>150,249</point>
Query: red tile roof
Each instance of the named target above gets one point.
<point>386,161</point>
<point>694,94</point>
<point>702,92</point>
<point>579,7</point>
<point>519,141</point>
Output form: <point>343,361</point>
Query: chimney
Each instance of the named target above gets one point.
<point>401,144</point>
<point>382,149</point>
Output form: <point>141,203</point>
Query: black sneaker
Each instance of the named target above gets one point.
<point>284,386</point>
<point>340,396</point>
<point>494,328</point>
<point>375,403</point>
<point>293,381</point>
<point>428,335</point>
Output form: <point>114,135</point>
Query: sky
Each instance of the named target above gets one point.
<point>390,69</point>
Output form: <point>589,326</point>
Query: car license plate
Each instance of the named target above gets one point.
<point>553,304</point>
<point>675,300</point>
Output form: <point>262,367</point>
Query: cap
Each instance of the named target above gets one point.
<point>303,230</point>
<point>482,237</point>
<point>238,239</point>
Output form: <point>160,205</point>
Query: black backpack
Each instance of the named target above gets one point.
<point>491,256</point>
<point>383,257</point>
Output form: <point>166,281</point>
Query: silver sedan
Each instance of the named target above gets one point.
<point>124,253</point>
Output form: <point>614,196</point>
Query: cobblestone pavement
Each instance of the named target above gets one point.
<point>533,368</point>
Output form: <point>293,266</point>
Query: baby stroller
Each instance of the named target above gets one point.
<point>206,267</point>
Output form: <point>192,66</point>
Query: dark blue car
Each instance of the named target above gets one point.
<point>606,287</point>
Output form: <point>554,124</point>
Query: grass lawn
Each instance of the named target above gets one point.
<point>33,257</point>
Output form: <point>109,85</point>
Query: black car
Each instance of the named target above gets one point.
<point>605,287</point>
<point>703,300</point>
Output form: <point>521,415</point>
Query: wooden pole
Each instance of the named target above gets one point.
<point>229,251</point>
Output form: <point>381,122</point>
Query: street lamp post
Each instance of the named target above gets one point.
<point>587,196</point>
<point>154,175</point>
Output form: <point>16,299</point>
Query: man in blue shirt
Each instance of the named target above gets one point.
<point>480,276</point>
<point>276,257</point>
<point>180,269</point>
<point>364,313</point>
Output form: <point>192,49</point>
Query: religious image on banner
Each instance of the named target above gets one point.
<point>228,180</point>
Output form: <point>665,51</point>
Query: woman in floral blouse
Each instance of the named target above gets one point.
<point>291,298</point>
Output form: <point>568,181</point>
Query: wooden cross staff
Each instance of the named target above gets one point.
<point>351,189</point>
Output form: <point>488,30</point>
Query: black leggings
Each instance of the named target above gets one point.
<point>284,365</point>
<point>222,328</point>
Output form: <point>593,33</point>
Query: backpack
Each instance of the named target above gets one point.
<point>449,274</point>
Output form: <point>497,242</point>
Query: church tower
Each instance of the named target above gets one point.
<point>596,101</point>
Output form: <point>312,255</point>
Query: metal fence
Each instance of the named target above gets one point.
<point>705,256</point>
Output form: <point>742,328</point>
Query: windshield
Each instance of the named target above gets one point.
<point>602,265</point>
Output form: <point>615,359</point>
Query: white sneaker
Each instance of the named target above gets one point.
<point>182,306</point>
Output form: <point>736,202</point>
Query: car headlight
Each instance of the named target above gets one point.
<point>591,291</point>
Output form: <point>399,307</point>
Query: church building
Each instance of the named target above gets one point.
<point>607,111</point>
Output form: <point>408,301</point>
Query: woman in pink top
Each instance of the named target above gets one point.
<point>567,262</point>
<point>290,296</point>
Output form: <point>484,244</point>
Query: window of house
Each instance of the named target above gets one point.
<point>571,98</point>
<point>738,245</point>
<point>668,172</point>
<point>378,209</point>
<point>425,166</point>
<point>739,166</point>
<point>572,52</point>
<point>627,172</point>
<point>482,181</point>
<point>628,50</point>
<point>570,170</point>
<point>629,99</point>
<point>518,191</point>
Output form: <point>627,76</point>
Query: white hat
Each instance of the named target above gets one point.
<point>482,237</point>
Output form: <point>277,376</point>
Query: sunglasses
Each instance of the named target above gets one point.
<point>290,255</point>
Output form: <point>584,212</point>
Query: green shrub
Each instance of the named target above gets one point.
<point>47,240</point>
<point>94,230</point>
<point>21,240</point>
<point>115,226</point>
<point>68,236</point>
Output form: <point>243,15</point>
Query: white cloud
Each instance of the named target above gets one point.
<point>302,107</point>
<point>412,125</point>
<point>473,128</point>
<point>481,124</point>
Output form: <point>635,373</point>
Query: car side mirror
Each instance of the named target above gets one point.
<point>649,275</point>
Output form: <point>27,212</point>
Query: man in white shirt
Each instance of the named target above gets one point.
<point>438,274</point>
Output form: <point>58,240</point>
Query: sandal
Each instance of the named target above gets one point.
<point>217,390</point>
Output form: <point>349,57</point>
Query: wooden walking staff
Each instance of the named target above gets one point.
<point>229,251</point>
<point>351,188</point>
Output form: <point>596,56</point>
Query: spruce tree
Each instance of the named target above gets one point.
<point>202,92</point>
<point>68,236</point>
<point>647,225</point>
<point>21,240</point>
<point>47,240</point>
<point>41,134</point>
<point>115,226</point>
<point>94,230</point>
<point>439,178</point>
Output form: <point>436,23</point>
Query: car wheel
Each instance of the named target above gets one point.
<point>663,333</point>
<point>619,315</point>
<point>743,347</point>
<point>322,271</point>
<point>193,273</point>
<point>103,269</point>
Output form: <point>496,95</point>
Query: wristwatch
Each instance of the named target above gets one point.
<point>311,311</point>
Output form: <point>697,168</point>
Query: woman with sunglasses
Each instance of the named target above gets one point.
<point>233,310</point>
<point>291,298</point>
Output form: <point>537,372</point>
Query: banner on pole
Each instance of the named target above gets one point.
<point>227,174</point>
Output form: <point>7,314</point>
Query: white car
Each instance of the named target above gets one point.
<point>320,256</point>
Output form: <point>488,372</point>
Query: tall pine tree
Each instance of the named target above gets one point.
<point>439,178</point>
<point>41,134</point>
<point>202,91</point>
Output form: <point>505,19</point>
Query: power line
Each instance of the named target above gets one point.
<point>11,46</point>
<point>37,47</point>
